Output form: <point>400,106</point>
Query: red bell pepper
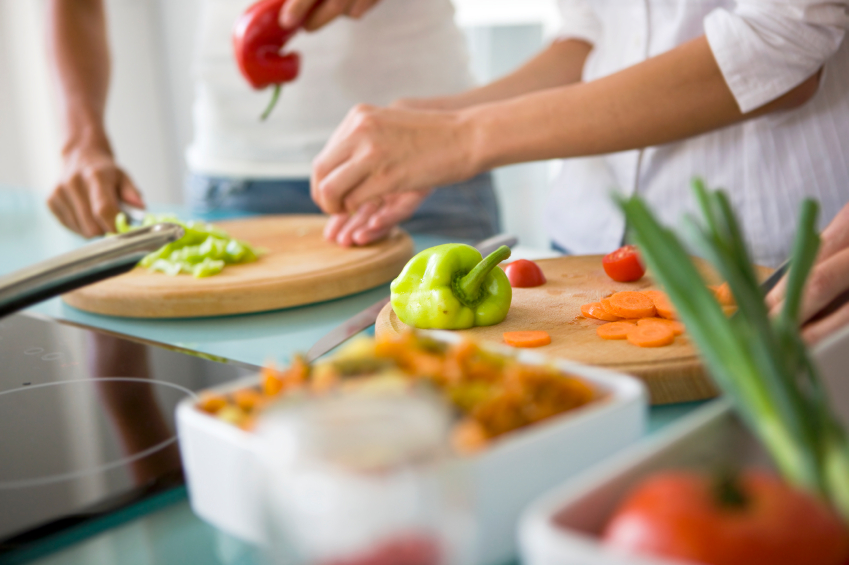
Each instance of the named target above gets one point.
<point>258,41</point>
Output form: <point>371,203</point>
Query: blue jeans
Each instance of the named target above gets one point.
<point>462,211</point>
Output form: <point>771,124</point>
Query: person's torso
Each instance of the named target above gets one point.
<point>768,164</point>
<point>399,48</point>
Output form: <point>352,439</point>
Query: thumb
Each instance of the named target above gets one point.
<point>130,194</point>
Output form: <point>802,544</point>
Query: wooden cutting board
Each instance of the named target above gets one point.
<point>300,267</point>
<point>672,373</point>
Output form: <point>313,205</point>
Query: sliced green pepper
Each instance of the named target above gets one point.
<point>451,287</point>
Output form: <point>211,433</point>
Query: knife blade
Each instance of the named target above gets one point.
<point>367,317</point>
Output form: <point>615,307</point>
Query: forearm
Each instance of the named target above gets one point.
<point>560,64</point>
<point>676,95</point>
<point>79,55</point>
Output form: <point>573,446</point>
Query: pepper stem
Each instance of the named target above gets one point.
<point>727,490</point>
<point>275,94</point>
<point>469,286</point>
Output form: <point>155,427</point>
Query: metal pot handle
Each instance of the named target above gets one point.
<point>97,261</point>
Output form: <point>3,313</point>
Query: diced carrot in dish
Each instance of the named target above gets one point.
<point>630,304</point>
<point>212,403</point>
<point>614,330</point>
<point>677,327</point>
<point>248,399</point>
<point>651,335</point>
<point>662,304</point>
<point>723,294</point>
<point>527,338</point>
<point>468,437</point>
<point>595,310</point>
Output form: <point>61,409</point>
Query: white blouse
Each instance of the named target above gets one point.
<point>764,48</point>
<point>399,48</point>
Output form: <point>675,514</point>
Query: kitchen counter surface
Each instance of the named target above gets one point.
<point>164,530</point>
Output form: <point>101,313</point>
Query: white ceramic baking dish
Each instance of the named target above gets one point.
<point>562,527</point>
<point>223,474</point>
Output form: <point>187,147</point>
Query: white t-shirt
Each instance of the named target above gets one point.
<point>399,48</point>
<point>764,48</point>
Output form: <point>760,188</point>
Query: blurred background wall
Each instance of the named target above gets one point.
<point>148,115</point>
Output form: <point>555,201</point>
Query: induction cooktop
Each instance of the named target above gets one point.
<point>87,422</point>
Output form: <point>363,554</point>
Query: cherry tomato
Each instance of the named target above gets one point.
<point>681,515</point>
<point>524,274</point>
<point>623,265</point>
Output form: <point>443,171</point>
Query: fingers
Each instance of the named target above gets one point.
<point>816,331</point>
<point>130,194</point>
<point>103,199</point>
<point>775,297</point>
<point>294,11</point>
<point>334,226</point>
<point>333,190</point>
<point>61,208</point>
<point>325,13</point>
<point>360,7</point>
<point>827,281</point>
<point>77,196</point>
<point>357,220</point>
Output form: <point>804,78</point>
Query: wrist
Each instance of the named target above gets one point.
<point>479,138</point>
<point>86,140</point>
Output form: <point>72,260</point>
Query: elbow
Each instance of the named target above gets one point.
<point>801,94</point>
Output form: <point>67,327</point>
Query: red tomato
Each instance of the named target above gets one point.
<point>623,265</point>
<point>678,515</point>
<point>524,274</point>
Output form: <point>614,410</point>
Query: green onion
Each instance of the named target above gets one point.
<point>760,362</point>
<point>203,251</point>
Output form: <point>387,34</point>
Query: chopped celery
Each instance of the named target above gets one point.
<point>203,251</point>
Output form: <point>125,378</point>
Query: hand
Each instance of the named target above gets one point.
<point>828,280</point>
<point>86,200</point>
<point>373,220</point>
<point>376,152</point>
<point>315,14</point>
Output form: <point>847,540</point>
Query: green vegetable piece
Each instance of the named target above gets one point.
<point>451,287</point>
<point>207,268</point>
<point>203,250</point>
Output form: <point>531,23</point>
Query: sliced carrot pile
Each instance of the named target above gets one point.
<point>677,327</point>
<point>527,338</point>
<point>723,294</point>
<point>605,303</point>
<point>630,304</point>
<point>651,335</point>
<point>595,310</point>
<point>614,330</point>
<point>662,304</point>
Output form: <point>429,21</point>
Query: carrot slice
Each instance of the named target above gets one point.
<point>723,294</point>
<point>605,303</point>
<point>630,304</point>
<point>651,335</point>
<point>595,310</point>
<point>677,327</point>
<point>662,304</point>
<point>527,338</point>
<point>614,330</point>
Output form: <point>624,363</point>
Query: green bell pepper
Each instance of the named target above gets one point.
<point>451,287</point>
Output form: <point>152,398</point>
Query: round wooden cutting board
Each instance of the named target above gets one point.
<point>300,267</point>
<point>672,373</point>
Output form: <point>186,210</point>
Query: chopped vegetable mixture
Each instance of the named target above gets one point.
<point>203,251</point>
<point>492,393</point>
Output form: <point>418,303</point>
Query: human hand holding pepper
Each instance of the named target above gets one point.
<point>376,152</point>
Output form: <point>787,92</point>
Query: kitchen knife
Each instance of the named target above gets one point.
<point>358,322</point>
